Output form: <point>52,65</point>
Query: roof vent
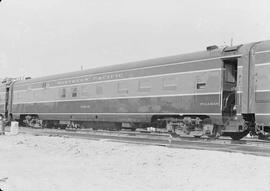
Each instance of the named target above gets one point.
<point>210,48</point>
<point>232,48</point>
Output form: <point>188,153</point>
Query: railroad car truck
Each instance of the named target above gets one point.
<point>219,91</point>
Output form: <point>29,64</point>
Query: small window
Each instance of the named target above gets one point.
<point>144,85</point>
<point>122,87</point>
<point>229,76</point>
<point>201,85</point>
<point>169,83</point>
<point>44,85</point>
<point>230,73</point>
<point>74,92</point>
<point>63,93</point>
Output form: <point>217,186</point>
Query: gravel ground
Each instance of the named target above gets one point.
<point>43,163</point>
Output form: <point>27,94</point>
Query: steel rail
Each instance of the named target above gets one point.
<point>246,146</point>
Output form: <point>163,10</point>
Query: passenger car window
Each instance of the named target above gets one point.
<point>144,85</point>
<point>169,83</point>
<point>85,91</point>
<point>122,87</point>
<point>230,73</point>
<point>44,85</point>
<point>201,85</point>
<point>74,92</point>
<point>63,93</point>
<point>99,90</point>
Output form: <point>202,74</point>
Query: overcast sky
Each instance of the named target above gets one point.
<point>43,37</point>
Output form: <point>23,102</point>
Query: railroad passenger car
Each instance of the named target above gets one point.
<point>220,91</point>
<point>5,96</point>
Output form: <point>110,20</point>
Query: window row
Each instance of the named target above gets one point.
<point>144,85</point>
<point>170,83</point>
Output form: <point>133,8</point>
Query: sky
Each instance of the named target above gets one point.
<point>44,37</point>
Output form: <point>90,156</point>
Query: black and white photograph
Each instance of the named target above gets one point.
<point>125,95</point>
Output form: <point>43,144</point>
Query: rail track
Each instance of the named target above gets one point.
<point>246,146</point>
